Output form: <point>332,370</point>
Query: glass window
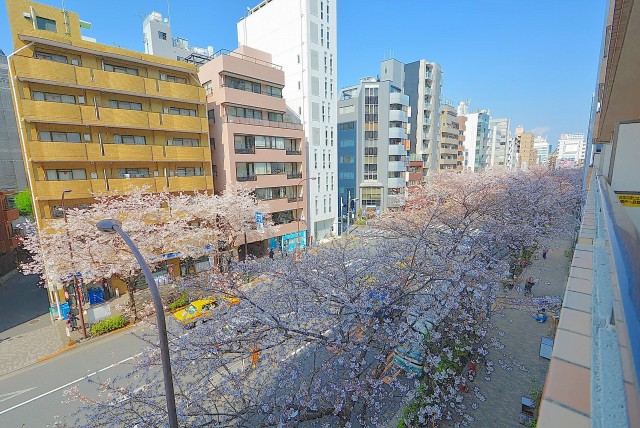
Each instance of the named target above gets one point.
<point>208,88</point>
<point>188,171</point>
<point>182,111</point>
<point>133,172</point>
<point>188,142</point>
<point>68,137</point>
<point>56,98</point>
<point>276,117</point>
<point>45,24</point>
<point>51,57</point>
<point>66,174</point>
<point>130,139</point>
<point>126,105</point>
<point>274,91</point>
<point>120,69</point>
<point>162,35</point>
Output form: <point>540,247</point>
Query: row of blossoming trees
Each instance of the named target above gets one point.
<point>322,331</point>
<point>191,225</point>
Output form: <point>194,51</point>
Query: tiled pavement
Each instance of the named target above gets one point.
<point>494,397</point>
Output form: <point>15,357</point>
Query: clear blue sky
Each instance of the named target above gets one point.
<point>532,61</point>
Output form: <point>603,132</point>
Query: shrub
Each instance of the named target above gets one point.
<point>107,325</point>
<point>183,300</point>
<point>23,202</point>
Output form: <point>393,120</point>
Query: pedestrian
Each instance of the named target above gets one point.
<point>271,253</point>
<point>544,253</point>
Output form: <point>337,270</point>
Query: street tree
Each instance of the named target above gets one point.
<point>162,225</point>
<point>315,341</point>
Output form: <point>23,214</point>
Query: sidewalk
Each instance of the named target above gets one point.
<point>514,336</point>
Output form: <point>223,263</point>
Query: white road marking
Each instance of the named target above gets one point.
<point>69,384</point>
<point>10,395</point>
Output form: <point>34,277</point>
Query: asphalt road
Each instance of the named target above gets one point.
<point>21,300</point>
<point>34,396</point>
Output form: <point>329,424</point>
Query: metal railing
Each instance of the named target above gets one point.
<point>262,122</point>
<point>247,178</point>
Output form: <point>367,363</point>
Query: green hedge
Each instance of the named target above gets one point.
<point>107,325</point>
<point>180,302</point>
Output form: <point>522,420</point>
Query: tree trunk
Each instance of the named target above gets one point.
<point>131,285</point>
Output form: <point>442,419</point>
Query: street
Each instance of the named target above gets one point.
<point>34,396</point>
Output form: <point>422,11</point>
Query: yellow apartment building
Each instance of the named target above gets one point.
<point>96,119</point>
<point>449,137</point>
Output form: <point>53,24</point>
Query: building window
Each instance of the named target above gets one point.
<point>66,174</point>
<point>324,205</point>
<point>215,170</point>
<point>174,79</point>
<point>324,160</point>
<point>125,105</point>
<point>179,111</point>
<point>133,172</point>
<point>189,171</point>
<point>162,35</point>
<point>208,88</point>
<point>244,112</point>
<point>346,126</point>
<point>319,180</point>
<point>243,85</point>
<point>326,183</point>
<point>329,160</point>
<point>274,91</point>
<point>51,57</point>
<point>45,24</point>
<point>185,142</point>
<point>120,69</point>
<point>276,117</point>
<point>316,205</point>
<point>139,140</point>
<point>55,98</point>
<point>212,143</point>
<point>332,178</point>
<point>347,159</point>
<point>211,115</point>
<point>65,137</point>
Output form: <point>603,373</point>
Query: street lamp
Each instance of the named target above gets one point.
<point>75,277</point>
<point>349,200</point>
<point>298,207</point>
<point>111,226</point>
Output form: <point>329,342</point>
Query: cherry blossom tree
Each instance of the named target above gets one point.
<point>185,225</point>
<point>315,341</point>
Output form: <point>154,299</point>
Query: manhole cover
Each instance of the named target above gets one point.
<point>34,321</point>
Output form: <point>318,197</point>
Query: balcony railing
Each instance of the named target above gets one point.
<point>245,150</point>
<point>294,152</point>
<point>246,58</point>
<point>247,178</point>
<point>294,175</point>
<point>295,199</point>
<point>262,122</point>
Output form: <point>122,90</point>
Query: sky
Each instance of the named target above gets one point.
<point>534,61</point>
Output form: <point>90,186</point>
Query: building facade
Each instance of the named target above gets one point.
<point>449,140</point>
<point>159,41</point>
<point>541,145</point>
<point>500,135</point>
<point>12,174</point>
<point>373,116</point>
<point>423,85</point>
<point>527,155</point>
<point>301,36</point>
<point>96,119</point>
<point>571,150</point>
<point>477,138</point>
<point>256,143</point>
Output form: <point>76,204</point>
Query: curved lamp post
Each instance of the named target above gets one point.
<point>76,287</point>
<point>111,226</point>
<point>298,208</point>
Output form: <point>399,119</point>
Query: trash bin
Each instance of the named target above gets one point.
<point>64,310</point>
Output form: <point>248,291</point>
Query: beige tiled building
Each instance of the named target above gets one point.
<point>98,119</point>
<point>257,142</point>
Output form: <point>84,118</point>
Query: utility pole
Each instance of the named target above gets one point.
<point>341,217</point>
<point>348,211</point>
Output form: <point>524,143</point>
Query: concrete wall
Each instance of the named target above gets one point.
<point>624,173</point>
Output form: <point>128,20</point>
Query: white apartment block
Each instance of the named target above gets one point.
<point>423,85</point>
<point>159,41</point>
<point>541,145</point>
<point>301,37</point>
<point>477,141</point>
<point>501,140</point>
<point>571,150</point>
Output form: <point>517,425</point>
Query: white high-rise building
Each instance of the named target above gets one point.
<point>159,41</point>
<point>301,37</point>
<point>542,149</point>
<point>423,85</point>
<point>500,136</point>
<point>571,150</point>
<point>477,139</point>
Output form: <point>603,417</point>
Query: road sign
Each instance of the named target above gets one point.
<point>629,199</point>
<point>260,221</point>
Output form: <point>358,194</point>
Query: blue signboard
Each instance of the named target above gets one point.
<point>259,218</point>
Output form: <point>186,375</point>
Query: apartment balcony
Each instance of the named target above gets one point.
<point>171,122</point>
<point>398,98</point>
<point>593,375</point>
<point>397,133</point>
<point>396,182</point>
<point>397,116</point>
<point>397,150</point>
<point>294,152</point>
<point>11,214</point>
<point>396,166</point>
<point>114,117</point>
<point>127,185</point>
<point>42,151</point>
<point>39,70</point>
<point>174,90</point>
<point>119,152</point>
<point>262,122</point>
<point>291,175</point>
<point>50,112</point>
<point>179,153</point>
<point>184,184</point>
<point>246,178</point>
<point>52,190</point>
<point>415,176</point>
<point>109,80</point>
<point>449,151</point>
<point>254,99</point>
<point>283,204</point>
<point>276,180</point>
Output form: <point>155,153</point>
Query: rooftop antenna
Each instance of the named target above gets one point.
<point>168,12</point>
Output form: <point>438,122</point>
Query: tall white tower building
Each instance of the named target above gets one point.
<point>571,150</point>
<point>541,145</point>
<point>301,37</point>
